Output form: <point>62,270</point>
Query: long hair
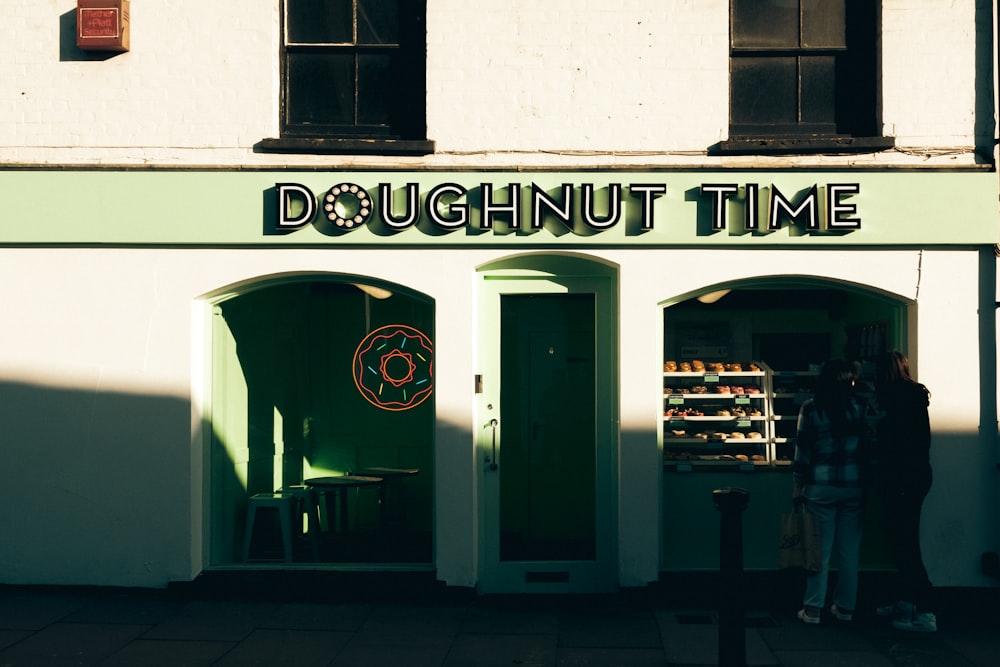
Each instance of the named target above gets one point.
<point>834,390</point>
<point>892,374</point>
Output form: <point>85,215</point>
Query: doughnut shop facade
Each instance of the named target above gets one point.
<point>549,371</point>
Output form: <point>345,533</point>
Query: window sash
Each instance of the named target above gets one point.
<point>784,60</point>
<point>341,22</point>
<point>341,63</point>
<point>777,24</point>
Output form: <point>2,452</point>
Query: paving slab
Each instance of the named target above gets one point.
<point>610,657</point>
<point>319,616</point>
<point>126,609</point>
<point>609,628</point>
<point>169,653</point>
<point>491,620</point>
<point>69,644</point>
<point>109,628</point>
<point>501,650</point>
<point>213,621</point>
<point>364,654</point>
<point>34,611</point>
<point>691,637</point>
<point>832,658</point>
<point>286,648</point>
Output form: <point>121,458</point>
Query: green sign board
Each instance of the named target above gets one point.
<point>702,208</point>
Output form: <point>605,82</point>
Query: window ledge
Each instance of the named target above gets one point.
<point>802,145</point>
<point>331,146</point>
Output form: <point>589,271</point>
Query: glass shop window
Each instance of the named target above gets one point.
<point>322,416</point>
<point>803,75</point>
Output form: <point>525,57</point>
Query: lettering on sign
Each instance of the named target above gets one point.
<point>98,22</point>
<point>582,209</point>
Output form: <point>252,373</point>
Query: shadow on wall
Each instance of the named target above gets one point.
<point>95,485</point>
<point>68,50</point>
<point>958,524</point>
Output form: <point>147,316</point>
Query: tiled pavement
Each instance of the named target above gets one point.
<point>40,627</point>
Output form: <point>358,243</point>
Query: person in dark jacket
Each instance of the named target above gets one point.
<point>826,477</point>
<point>904,442</point>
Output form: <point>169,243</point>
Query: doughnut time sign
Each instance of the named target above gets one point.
<point>733,208</point>
<point>584,208</point>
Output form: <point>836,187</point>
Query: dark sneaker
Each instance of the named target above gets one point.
<point>806,617</point>
<point>918,622</point>
<point>901,609</point>
<point>841,614</point>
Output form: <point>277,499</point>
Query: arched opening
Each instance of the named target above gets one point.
<point>552,265</point>
<point>320,376</point>
<point>790,322</point>
<point>740,358</point>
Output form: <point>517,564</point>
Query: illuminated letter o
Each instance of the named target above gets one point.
<point>347,205</point>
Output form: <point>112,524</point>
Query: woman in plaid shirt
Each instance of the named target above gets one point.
<point>826,477</point>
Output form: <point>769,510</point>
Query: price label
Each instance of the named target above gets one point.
<point>742,400</point>
<point>675,400</point>
<point>743,423</point>
<point>683,467</point>
<point>711,377</point>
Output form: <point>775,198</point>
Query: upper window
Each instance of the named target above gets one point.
<point>352,71</point>
<point>803,72</point>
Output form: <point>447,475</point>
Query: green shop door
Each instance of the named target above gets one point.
<point>548,437</point>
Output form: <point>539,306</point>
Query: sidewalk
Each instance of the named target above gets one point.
<point>40,627</point>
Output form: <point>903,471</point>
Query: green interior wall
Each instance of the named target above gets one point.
<point>285,406</point>
<point>229,453</point>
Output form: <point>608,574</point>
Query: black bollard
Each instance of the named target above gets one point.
<point>732,636</point>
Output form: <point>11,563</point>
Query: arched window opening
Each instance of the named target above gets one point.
<point>318,377</point>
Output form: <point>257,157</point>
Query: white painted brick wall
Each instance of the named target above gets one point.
<point>199,75</point>
<point>929,72</point>
<point>579,75</point>
<point>509,81</point>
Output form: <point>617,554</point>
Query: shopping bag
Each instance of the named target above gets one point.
<point>800,542</point>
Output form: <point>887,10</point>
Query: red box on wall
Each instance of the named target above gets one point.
<point>102,25</point>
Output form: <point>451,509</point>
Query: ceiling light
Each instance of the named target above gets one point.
<point>371,290</point>
<point>712,297</point>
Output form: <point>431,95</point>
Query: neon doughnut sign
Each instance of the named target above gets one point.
<point>445,206</point>
<point>394,367</point>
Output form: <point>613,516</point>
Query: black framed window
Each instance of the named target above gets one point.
<point>353,72</point>
<point>803,72</point>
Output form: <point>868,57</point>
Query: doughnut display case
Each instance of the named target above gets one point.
<point>737,414</point>
<point>717,413</point>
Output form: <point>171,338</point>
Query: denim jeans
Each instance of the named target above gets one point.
<point>838,512</point>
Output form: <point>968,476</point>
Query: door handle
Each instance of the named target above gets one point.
<point>493,458</point>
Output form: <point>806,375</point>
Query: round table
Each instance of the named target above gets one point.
<point>341,484</point>
<point>387,474</point>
